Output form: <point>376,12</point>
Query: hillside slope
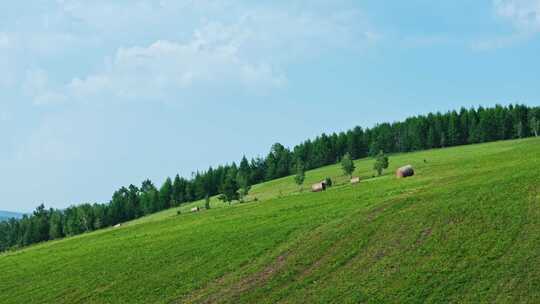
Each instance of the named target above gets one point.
<point>466,228</point>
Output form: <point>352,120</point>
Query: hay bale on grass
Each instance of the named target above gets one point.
<point>406,171</point>
<point>318,187</point>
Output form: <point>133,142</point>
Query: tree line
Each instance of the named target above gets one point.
<point>232,181</point>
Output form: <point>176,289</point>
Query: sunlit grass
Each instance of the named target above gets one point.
<point>465,228</point>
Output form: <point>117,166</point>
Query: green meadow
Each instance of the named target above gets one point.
<point>464,229</point>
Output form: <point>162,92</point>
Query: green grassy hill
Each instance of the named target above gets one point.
<point>465,229</point>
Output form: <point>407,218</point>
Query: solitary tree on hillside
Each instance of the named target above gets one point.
<point>347,165</point>
<point>242,181</point>
<point>207,202</point>
<point>381,163</point>
<point>300,175</point>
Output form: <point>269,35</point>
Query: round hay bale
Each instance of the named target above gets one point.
<point>406,171</point>
<point>318,187</point>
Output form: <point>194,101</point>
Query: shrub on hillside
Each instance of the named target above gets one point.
<point>328,182</point>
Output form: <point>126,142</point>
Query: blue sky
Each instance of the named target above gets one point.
<point>99,94</point>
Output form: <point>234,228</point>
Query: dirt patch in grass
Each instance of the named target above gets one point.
<point>376,212</point>
<point>262,276</point>
<point>379,255</point>
<point>381,208</point>
<point>424,236</point>
<point>247,283</point>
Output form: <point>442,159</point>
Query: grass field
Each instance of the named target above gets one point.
<point>465,229</point>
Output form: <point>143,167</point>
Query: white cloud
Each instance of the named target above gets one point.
<point>249,53</point>
<point>20,51</point>
<point>523,14</point>
<point>158,70</point>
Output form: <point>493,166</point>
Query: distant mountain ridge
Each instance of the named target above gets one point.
<point>6,215</point>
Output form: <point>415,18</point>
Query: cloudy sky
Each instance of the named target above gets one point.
<point>99,94</point>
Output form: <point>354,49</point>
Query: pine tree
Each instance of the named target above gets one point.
<point>431,138</point>
<point>165,194</point>
<point>4,230</point>
<point>534,121</point>
<point>189,192</point>
<point>73,223</point>
<point>229,189</point>
<point>149,198</point>
<point>258,170</point>
<point>244,170</point>
<point>133,203</point>
<point>464,126</point>
<point>454,133</point>
<point>443,140</point>
<point>100,220</point>
<point>56,223</point>
<point>178,189</point>
<point>40,220</point>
